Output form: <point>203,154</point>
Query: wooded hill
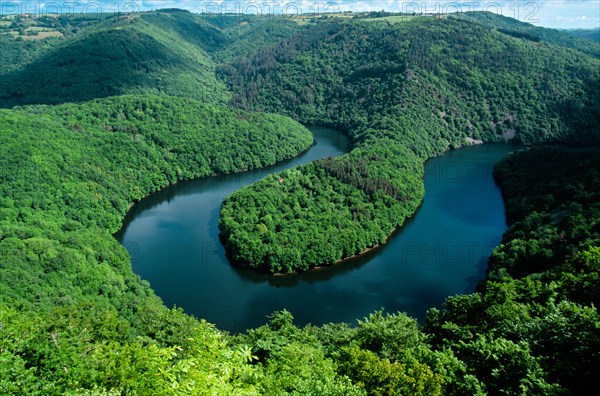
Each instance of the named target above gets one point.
<point>74,319</point>
<point>171,52</point>
<point>70,173</point>
<point>405,92</point>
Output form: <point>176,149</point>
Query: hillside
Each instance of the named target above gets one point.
<point>16,53</point>
<point>248,34</point>
<point>152,53</point>
<point>405,92</point>
<point>541,289</point>
<point>590,34</point>
<point>172,52</point>
<point>75,319</point>
<point>530,32</point>
<point>70,173</point>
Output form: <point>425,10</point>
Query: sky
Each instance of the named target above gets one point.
<point>560,14</point>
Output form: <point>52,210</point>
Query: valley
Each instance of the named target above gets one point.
<point>144,110</point>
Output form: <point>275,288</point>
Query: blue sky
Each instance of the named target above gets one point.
<point>563,14</point>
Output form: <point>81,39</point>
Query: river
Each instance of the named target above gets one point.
<point>173,240</point>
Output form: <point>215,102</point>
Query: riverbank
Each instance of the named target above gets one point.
<point>179,252</point>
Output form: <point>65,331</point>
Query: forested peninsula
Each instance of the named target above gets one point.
<point>194,95</point>
<point>405,92</point>
<point>71,172</point>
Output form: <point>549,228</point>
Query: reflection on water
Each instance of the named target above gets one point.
<point>173,239</point>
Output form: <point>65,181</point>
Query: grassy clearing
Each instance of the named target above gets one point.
<point>394,19</point>
<point>42,35</point>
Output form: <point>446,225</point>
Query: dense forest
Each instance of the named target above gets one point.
<point>405,92</point>
<point>541,291</point>
<point>75,319</point>
<point>171,52</point>
<point>131,54</point>
<point>590,34</point>
<point>70,173</point>
<point>525,331</point>
<point>529,32</point>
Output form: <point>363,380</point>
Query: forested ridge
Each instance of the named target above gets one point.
<point>590,34</point>
<point>525,331</point>
<point>70,173</point>
<point>129,54</point>
<point>405,92</point>
<point>540,295</point>
<point>526,31</point>
<point>75,320</point>
<point>172,52</point>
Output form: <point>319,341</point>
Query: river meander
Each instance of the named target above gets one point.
<point>173,239</point>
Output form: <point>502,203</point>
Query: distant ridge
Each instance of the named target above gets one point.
<point>520,29</point>
<point>162,52</point>
<point>589,34</point>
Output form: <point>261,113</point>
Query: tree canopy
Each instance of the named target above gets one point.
<point>75,320</point>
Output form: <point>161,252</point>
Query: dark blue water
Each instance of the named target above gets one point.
<point>173,239</point>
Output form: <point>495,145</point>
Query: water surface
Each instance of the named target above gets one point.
<point>173,239</point>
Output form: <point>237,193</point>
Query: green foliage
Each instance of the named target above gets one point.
<point>554,213</point>
<point>293,360</point>
<point>305,217</point>
<point>424,77</point>
<point>24,39</point>
<point>502,364</point>
<point>75,320</point>
<point>84,349</point>
<point>172,52</point>
<point>336,359</point>
<point>70,173</point>
<point>381,377</point>
<point>249,34</point>
<point>533,327</point>
<point>299,369</point>
<point>386,357</point>
<point>405,92</point>
<point>18,53</point>
<point>590,34</point>
<point>139,54</point>
<point>86,324</point>
<point>512,27</point>
<point>394,336</point>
